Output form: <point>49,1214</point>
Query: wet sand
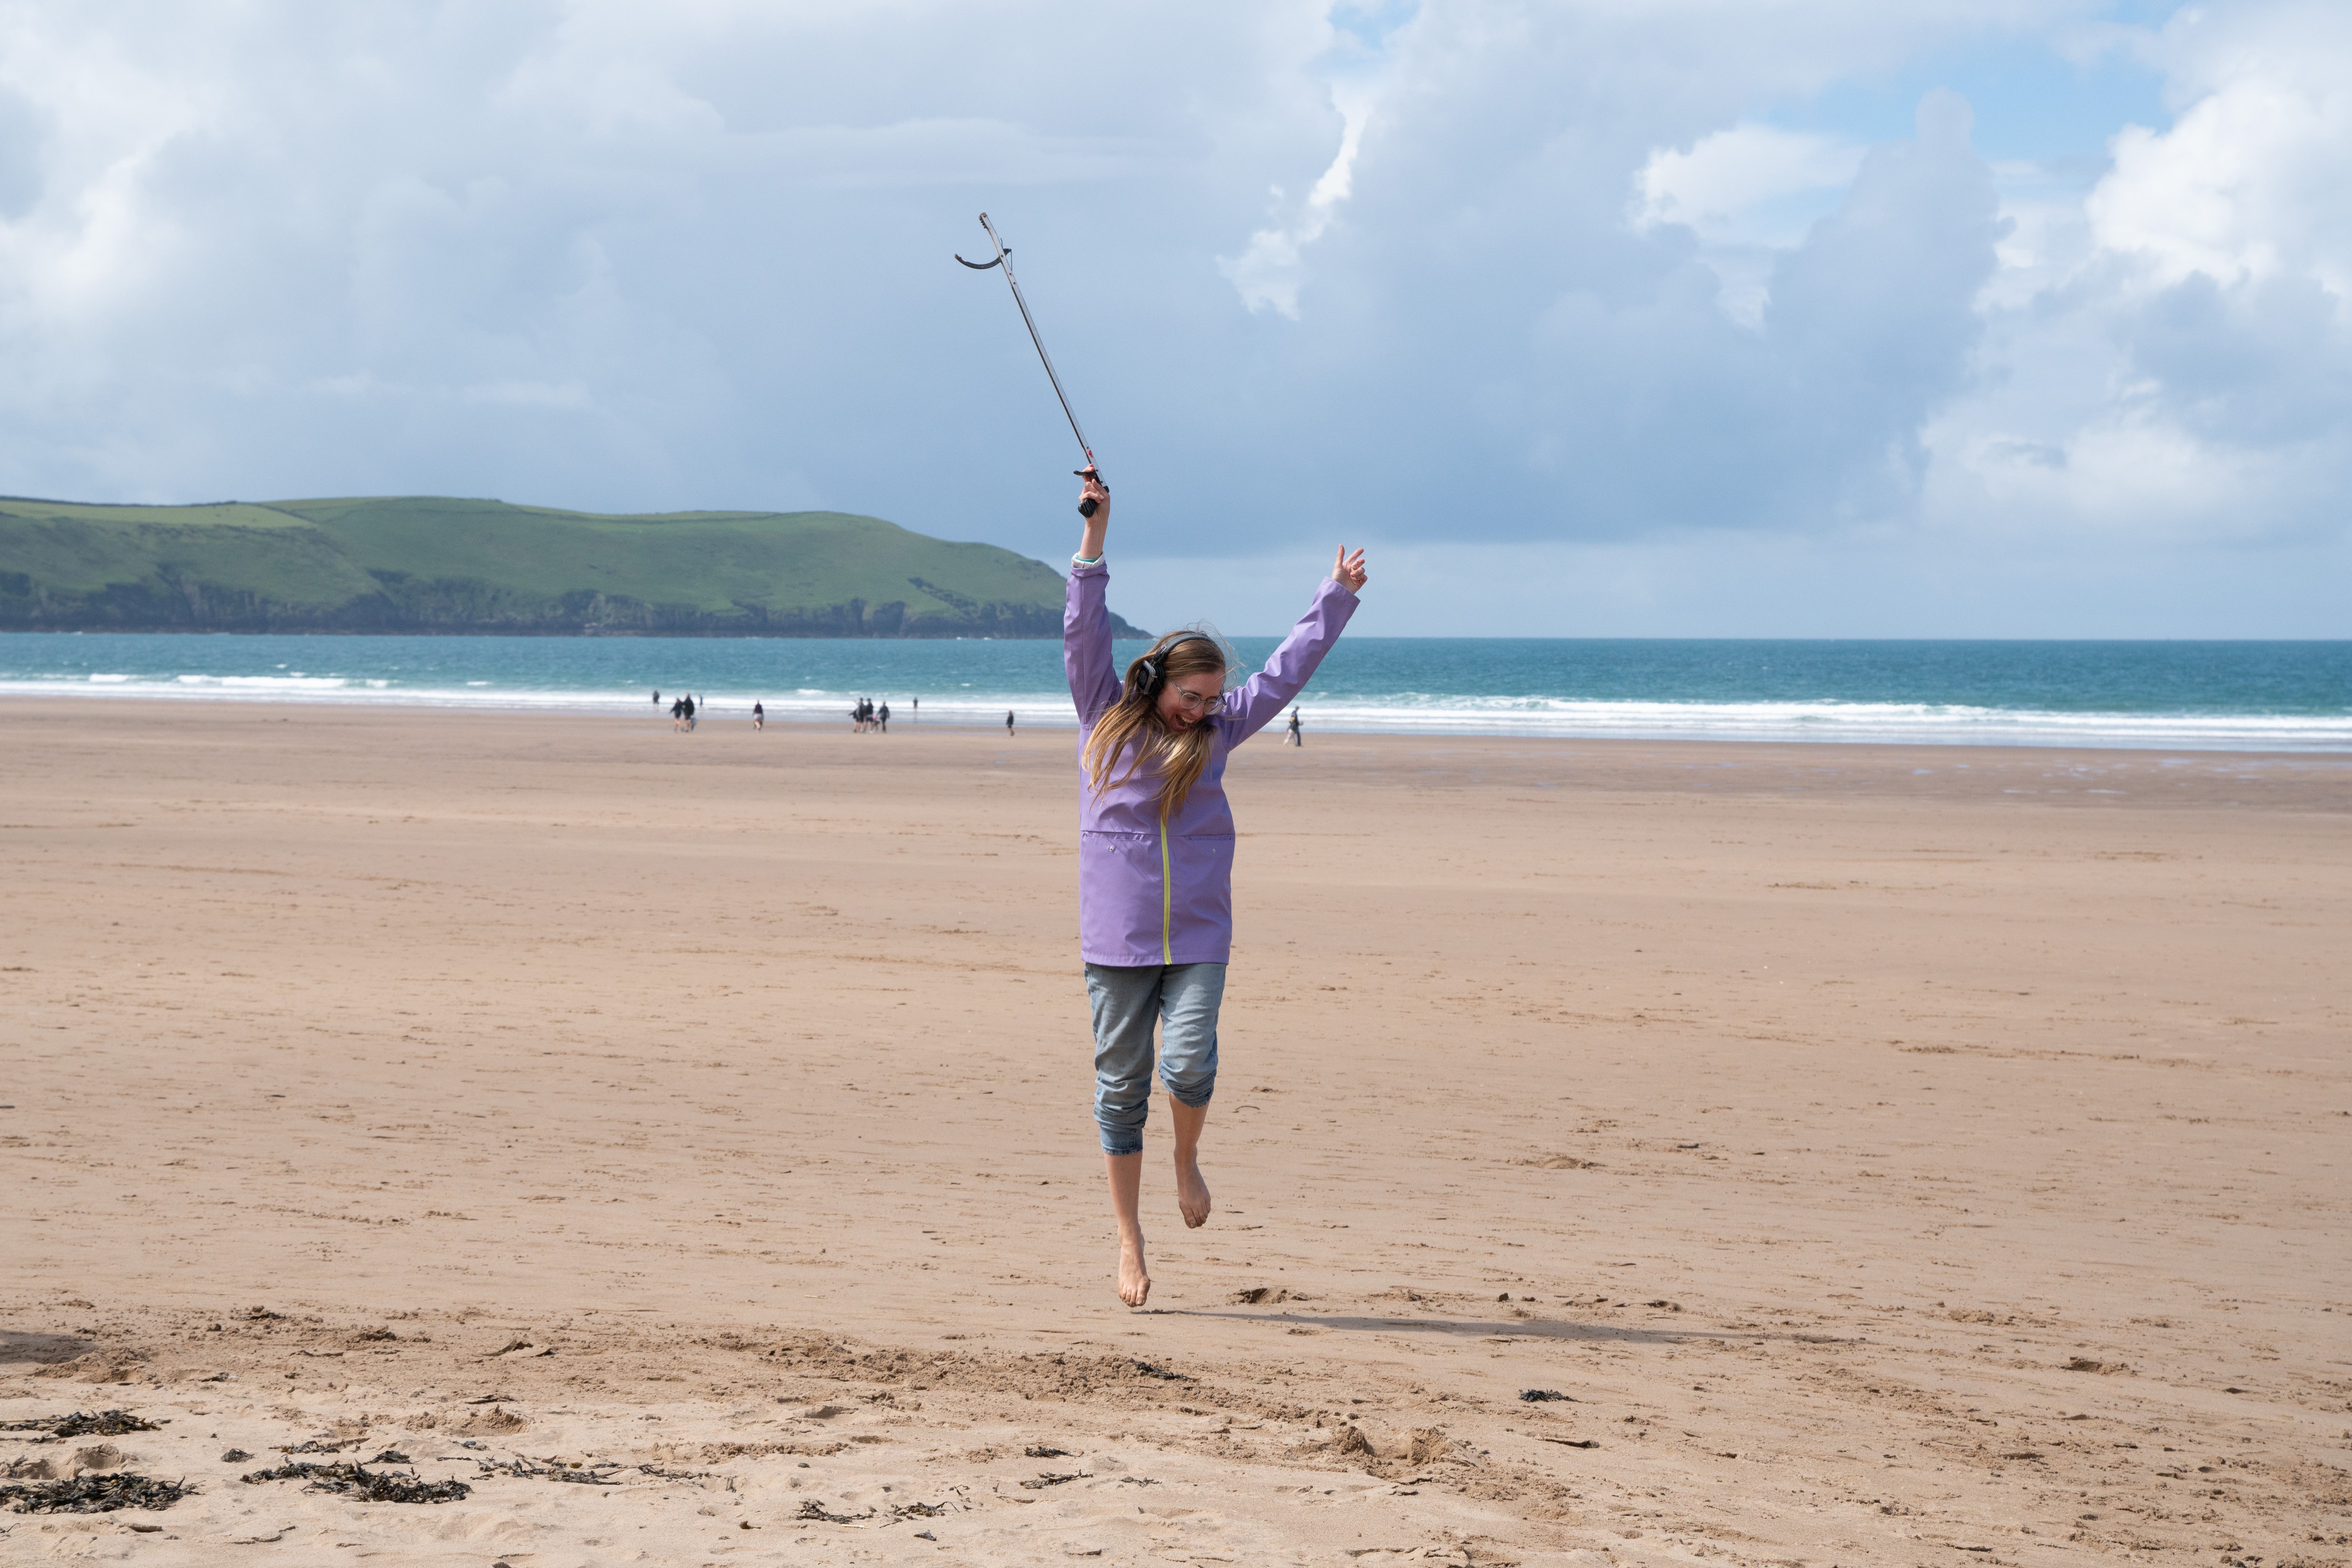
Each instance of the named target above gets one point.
<point>1904,1155</point>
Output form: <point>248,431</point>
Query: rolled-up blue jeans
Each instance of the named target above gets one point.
<point>1182,998</point>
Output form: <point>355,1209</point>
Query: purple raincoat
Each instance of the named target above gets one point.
<point>1163,892</point>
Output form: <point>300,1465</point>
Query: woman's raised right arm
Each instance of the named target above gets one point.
<point>1085,615</point>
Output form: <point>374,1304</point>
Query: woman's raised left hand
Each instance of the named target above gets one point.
<point>1348,571</point>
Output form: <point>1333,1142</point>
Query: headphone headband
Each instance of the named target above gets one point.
<point>1156,664</point>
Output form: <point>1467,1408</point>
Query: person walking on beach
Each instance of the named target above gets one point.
<point>1008,723</point>
<point>678,714</point>
<point>1155,859</point>
<point>1292,737</point>
<point>758,716</point>
<point>882,718</point>
<point>689,702</point>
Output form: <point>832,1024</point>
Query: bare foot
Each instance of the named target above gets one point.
<point>1192,1195</point>
<point>1134,1283</point>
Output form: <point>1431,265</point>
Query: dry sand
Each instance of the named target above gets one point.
<point>1904,1156</point>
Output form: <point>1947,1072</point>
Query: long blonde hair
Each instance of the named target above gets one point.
<point>1178,756</point>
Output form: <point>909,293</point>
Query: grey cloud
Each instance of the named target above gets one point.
<point>1537,369</point>
<point>1876,315</point>
<point>24,131</point>
<point>2266,362</point>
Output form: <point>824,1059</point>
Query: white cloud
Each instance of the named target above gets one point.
<point>2248,184</point>
<point>1360,41</point>
<point>1747,193</point>
<point>2174,368</point>
<point>1270,273</point>
<point>1752,185</point>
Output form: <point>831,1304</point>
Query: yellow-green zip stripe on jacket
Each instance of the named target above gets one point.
<point>1167,892</point>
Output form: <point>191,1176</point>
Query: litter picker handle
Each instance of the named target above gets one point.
<point>1005,259</point>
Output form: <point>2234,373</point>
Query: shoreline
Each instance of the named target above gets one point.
<point>1056,715</point>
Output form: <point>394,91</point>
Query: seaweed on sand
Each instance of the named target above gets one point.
<point>82,1424</point>
<point>816,1510</point>
<point>358,1481</point>
<point>592,1475</point>
<point>94,1494</point>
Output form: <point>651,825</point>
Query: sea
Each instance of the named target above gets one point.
<point>2188,696</point>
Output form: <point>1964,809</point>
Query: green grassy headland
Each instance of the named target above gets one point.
<point>432,563</point>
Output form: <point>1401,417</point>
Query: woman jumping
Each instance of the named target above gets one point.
<point>1155,861</point>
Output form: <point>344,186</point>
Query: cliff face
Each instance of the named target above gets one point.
<point>432,565</point>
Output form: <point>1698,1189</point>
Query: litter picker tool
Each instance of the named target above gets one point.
<point>1005,259</point>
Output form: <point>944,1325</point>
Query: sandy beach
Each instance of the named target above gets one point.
<point>1886,1155</point>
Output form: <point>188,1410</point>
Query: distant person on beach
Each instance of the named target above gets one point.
<point>689,702</point>
<point>882,718</point>
<point>656,696</point>
<point>758,716</point>
<point>1293,738</point>
<point>1155,859</point>
<point>914,706</point>
<point>677,713</point>
<point>1008,723</point>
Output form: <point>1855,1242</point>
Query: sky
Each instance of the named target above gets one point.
<point>1595,317</point>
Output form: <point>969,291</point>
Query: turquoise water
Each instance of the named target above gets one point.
<point>2225,696</point>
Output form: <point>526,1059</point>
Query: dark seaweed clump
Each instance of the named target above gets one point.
<point>358,1481</point>
<point>94,1494</point>
<point>82,1424</point>
<point>817,1511</point>
<point>560,1470</point>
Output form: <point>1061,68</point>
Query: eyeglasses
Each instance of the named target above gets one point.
<point>1192,702</point>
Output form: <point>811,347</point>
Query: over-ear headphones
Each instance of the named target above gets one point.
<point>1155,666</point>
